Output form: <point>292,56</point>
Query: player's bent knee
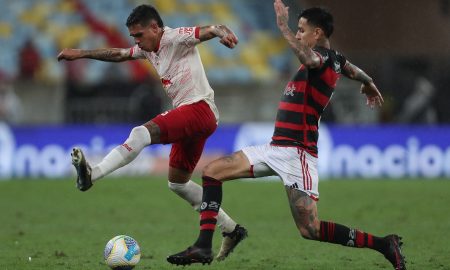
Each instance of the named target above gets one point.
<point>138,138</point>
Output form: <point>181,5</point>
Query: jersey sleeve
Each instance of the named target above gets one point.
<point>136,52</point>
<point>188,36</point>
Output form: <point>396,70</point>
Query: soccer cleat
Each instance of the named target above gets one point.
<point>191,255</point>
<point>393,253</point>
<point>230,241</point>
<point>84,181</point>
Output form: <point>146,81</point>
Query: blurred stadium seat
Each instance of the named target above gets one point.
<point>56,24</point>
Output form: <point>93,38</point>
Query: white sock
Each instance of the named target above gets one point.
<point>192,193</point>
<point>122,154</point>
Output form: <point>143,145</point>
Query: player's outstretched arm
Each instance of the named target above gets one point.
<point>304,53</point>
<point>227,37</point>
<point>368,87</point>
<point>107,54</point>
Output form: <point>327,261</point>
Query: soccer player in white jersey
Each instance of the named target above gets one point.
<point>194,118</point>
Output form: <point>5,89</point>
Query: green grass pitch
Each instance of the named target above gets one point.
<point>49,224</point>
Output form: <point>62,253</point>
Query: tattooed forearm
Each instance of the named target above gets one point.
<point>303,52</point>
<point>304,212</point>
<point>355,73</point>
<point>108,55</point>
<point>212,31</point>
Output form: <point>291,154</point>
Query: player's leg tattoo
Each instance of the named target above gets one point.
<point>304,212</point>
<point>229,167</point>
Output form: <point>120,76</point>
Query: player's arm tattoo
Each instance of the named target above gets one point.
<point>304,212</point>
<point>303,52</point>
<point>355,73</point>
<point>212,31</point>
<point>108,54</point>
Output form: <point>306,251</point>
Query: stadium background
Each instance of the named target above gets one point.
<point>47,107</point>
<point>403,46</point>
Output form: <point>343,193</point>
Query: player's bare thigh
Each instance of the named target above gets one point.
<point>228,168</point>
<point>304,212</point>
<point>154,131</point>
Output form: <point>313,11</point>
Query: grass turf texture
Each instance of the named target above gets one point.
<point>59,227</point>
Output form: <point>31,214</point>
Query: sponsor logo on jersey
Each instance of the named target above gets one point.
<point>166,82</point>
<point>186,30</point>
<point>289,90</point>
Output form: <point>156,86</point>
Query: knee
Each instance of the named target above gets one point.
<point>139,136</point>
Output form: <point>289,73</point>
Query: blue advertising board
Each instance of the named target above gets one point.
<point>386,151</point>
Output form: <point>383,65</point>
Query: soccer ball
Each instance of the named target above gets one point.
<point>122,253</point>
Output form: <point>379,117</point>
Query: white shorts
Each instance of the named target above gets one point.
<point>296,167</point>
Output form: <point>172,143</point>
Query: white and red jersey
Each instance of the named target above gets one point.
<point>178,64</point>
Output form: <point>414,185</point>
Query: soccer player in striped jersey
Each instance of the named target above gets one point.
<point>173,53</point>
<point>292,154</point>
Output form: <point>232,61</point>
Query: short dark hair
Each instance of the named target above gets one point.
<point>319,17</point>
<point>143,15</point>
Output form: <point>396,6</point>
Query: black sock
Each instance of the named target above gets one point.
<point>340,234</point>
<point>209,209</point>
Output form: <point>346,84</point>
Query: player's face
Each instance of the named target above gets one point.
<point>307,34</point>
<point>146,37</point>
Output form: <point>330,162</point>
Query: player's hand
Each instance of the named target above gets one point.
<point>69,54</point>
<point>282,12</point>
<point>229,39</point>
<point>373,95</point>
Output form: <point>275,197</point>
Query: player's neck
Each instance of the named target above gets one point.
<point>160,34</point>
<point>324,43</point>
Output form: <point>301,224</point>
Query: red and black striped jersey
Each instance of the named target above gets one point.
<point>304,100</point>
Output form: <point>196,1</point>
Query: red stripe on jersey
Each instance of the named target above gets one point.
<point>197,32</point>
<point>208,215</point>
<point>281,138</point>
<point>289,126</point>
<point>131,51</point>
<point>319,97</point>
<point>330,77</point>
<point>209,227</point>
<point>293,107</point>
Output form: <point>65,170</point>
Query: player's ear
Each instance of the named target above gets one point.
<point>318,32</point>
<point>153,26</point>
